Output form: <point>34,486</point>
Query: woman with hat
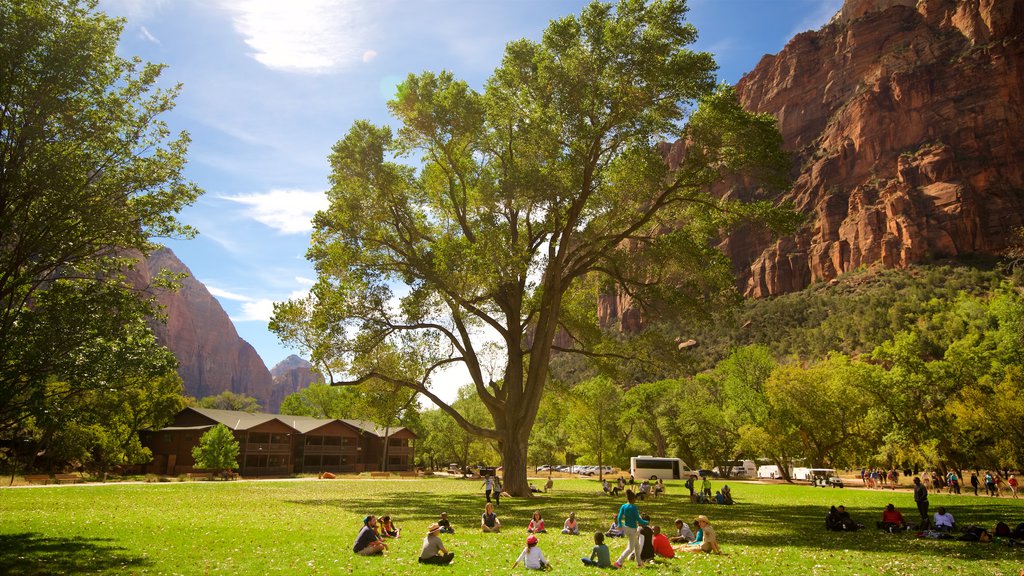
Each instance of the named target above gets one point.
<point>433,551</point>
<point>706,540</point>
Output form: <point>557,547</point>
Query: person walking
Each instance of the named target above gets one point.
<point>975,482</point>
<point>630,520</point>
<point>921,499</point>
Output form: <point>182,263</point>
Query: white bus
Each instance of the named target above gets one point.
<point>737,469</point>
<point>644,467</point>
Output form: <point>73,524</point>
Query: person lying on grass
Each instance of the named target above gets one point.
<point>433,551</point>
<point>531,556</point>
<point>706,540</point>
<point>489,520</point>
<point>368,542</point>
<point>599,556</point>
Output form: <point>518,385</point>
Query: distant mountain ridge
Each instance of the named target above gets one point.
<point>212,357</point>
<point>290,376</point>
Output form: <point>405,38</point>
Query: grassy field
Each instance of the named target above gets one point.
<point>308,526</point>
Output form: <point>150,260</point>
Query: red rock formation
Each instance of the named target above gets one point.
<point>212,357</point>
<point>290,375</point>
<point>905,118</point>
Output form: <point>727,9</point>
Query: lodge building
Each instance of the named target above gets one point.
<point>281,445</point>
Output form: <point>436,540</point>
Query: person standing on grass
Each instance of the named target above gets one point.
<point>488,486</point>
<point>1012,481</point>
<point>433,551</point>
<point>975,482</point>
<point>921,499</point>
<point>630,520</point>
<point>368,543</point>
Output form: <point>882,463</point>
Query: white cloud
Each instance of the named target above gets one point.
<point>227,295</point>
<point>305,281</point>
<point>311,36</point>
<point>148,35</point>
<point>287,211</point>
<point>132,9</point>
<point>369,55</point>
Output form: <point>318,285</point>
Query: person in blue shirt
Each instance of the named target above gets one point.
<point>629,518</point>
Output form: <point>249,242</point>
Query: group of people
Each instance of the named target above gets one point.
<point>993,482</point>
<point>643,541</point>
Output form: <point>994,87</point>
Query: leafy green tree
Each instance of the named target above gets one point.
<point>89,176</point>
<point>525,193</point>
<point>447,442</point>
<point>217,450</point>
<point>648,412</point>
<point>594,419</point>
<point>228,400</point>
<point>322,401</point>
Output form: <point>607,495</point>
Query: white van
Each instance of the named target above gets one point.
<point>738,469</point>
<point>645,467</point>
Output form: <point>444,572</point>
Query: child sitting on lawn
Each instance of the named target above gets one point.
<point>531,556</point>
<point>599,556</point>
<point>616,530</point>
<point>387,527</point>
<point>536,524</point>
<point>446,526</point>
<point>571,526</point>
<point>683,532</point>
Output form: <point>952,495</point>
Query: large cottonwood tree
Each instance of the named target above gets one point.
<point>527,195</point>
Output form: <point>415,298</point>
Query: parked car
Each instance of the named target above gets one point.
<point>543,468</point>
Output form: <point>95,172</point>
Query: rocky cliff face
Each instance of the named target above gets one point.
<point>290,375</point>
<point>212,357</point>
<point>905,118</point>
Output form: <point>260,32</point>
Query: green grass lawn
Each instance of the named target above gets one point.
<point>308,526</point>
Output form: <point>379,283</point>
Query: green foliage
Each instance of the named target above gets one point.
<point>319,400</point>
<point>88,177</point>
<point>228,400</point>
<point>526,196</point>
<point>217,449</point>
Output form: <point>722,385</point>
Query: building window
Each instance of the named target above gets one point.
<point>314,440</point>
<point>398,442</point>
<point>259,438</point>
<point>332,440</point>
<point>332,460</point>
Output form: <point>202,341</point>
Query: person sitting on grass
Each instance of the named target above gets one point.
<point>943,521</point>
<point>662,547</point>
<point>599,556</point>
<point>536,525</point>
<point>387,527</point>
<point>838,519</point>
<point>368,543</point>
<point>683,532</point>
<point>892,520</point>
<point>571,526</point>
<point>446,526</point>
<point>616,530</point>
<point>706,540</point>
<point>646,540</point>
<point>727,494</point>
<point>549,484</point>
<point>489,520</point>
<point>534,489</point>
<point>433,551</point>
<point>531,556</point>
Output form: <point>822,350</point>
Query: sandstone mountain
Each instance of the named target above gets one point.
<point>905,121</point>
<point>290,375</point>
<point>905,118</point>
<point>212,357</point>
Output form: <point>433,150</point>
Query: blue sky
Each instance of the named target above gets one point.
<point>271,85</point>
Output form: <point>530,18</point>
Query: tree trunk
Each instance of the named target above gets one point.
<point>513,461</point>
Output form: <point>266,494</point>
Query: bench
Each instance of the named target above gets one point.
<point>409,474</point>
<point>380,474</point>
<point>67,478</point>
<point>37,479</point>
<point>200,475</point>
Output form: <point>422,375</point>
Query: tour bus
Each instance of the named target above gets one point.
<point>643,467</point>
<point>737,469</point>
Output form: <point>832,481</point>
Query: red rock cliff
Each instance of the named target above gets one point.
<point>906,120</point>
<point>212,357</point>
<point>290,375</point>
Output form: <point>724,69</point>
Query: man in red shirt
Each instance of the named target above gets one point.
<point>662,547</point>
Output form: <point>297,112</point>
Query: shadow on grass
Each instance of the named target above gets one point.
<point>743,525</point>
<point>33,554</point>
